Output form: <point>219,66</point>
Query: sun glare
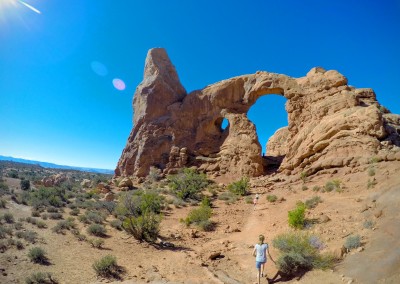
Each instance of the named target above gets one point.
<point>9,6</point>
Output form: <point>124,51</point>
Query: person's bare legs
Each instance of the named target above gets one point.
<point>262,270</point>
<point>258,275</point>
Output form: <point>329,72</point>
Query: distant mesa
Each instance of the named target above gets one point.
<point>331,124</point>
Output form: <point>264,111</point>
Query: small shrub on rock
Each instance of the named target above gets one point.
<point>200,218</point>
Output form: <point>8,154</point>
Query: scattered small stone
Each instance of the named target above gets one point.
<point>360,249</point>
<point>214,255</point>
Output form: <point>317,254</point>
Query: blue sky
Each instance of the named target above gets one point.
<point>54,107</point>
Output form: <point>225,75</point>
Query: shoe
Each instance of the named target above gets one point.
<point>262,274</point>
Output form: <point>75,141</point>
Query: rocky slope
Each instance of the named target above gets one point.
<point>331,124</point>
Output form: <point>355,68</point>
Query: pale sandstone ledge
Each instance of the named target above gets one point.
<point>331,124</point>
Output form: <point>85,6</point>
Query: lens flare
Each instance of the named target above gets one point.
<point>30,7</point>
<point>99,68</point>
<point>119,84</point>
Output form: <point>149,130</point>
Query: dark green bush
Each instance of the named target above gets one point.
<point>134,204</point>
<point>25,184</point>
<point>47,196</point>
<point>188,184</point>
<point>38,255</point>
<point>296,216</point>
<point>97,230</point>
<point>107,267</point>
<point>144,227</point>
<point>299,254</point>
<point>94,217</point>
<point>240,187</point>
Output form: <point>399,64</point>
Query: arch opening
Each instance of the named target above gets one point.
<point>269,116</point>
<point>222,124</point>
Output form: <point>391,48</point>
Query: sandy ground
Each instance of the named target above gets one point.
<point>237,230</point>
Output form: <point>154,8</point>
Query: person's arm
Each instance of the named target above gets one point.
<point>270,256</point>
<point>254,251</point>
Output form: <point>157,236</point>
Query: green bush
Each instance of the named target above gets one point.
<point>8,218</point>
<point>228,197</point>
<point>240,187</point>
<point>303,176</point>
<point>94,217</point>
<point>352,242</point>
<point>37,255</point>
<point>134,204</point>
<point>25,184</point>
<point>40,278</point>
<point>144,227</point>
<point>316,188</point>
<point>187,184</point>
<point>3,203</point>
<point>74,212</point>
<point>272,198</point>
<point>333,185</point>
<point>200,218</point>
<point>47,196</point>
<point>96,230</point>
<point>117,224</point>
<point>296,216</point>
<point>106,266</point>
<point>206,201</point>
<point>368,224</point>
<point>312,202</point>
<point>371,171</point>
<point>96,243</point>
<point>371,183</point>
<point>298,253</point>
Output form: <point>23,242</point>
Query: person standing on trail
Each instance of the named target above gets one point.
<point>260,252</point>
<point>255,200</point>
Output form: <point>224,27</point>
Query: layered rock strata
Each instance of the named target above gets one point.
<point>331,124</point>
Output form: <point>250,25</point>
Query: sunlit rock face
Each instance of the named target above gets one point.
<point>331,124</point>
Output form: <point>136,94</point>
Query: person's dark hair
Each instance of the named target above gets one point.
<point>261,238</point>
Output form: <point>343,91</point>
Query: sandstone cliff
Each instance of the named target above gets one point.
<point>331,124</point>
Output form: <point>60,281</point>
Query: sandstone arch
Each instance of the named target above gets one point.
<point>330,123</point>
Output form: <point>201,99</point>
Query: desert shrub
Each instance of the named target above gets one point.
<point>312,202</point>
<point>38,255</point>
<point>106,266</point>
<point>187,184</point>
<point>371,183</point>
<point>206,201</point>
<point>4,189</point>
<point>25,184</point>
<point>8,218</point>
<point>240,187</point>
<point>41,225</point>
<point>144,227</point>
<point>4,231</point>
<point>296,216</point>
<point>81,237</point>
<point>109,206</point>
<point>352,242</point>
<point>64,225</point>
<point>3,246</point>
<point>316,188</point>
<point>333,185</point>
<point>135,204</point>
<point>96,230</point>
<point>154,175</point>
<point>55,216</point>
<point>200,218</point>
<point>19,245</point>
<point>371,171</point>
<point>299,252</point>
<point>40,278</point>
<point>52,209</point>
<point>94,217</point>
<point>96,243</point>
<point>272,198</point>
<point>35,213</point>
<point>117,224</point>
<point>228,197</point>
<point>84,219</point>
<point>248,199</point>
<point>45,216</point>
<point>304,187</point>
<point>18,226</point>
<point>368,224</point>
<point>74,212</point>
<point>47,196</point>
<point>3,203</point>
<point>303,176</point>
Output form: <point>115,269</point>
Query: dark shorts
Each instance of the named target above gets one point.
<point>259,263</point>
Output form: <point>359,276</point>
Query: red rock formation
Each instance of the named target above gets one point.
<point>330,123</point>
